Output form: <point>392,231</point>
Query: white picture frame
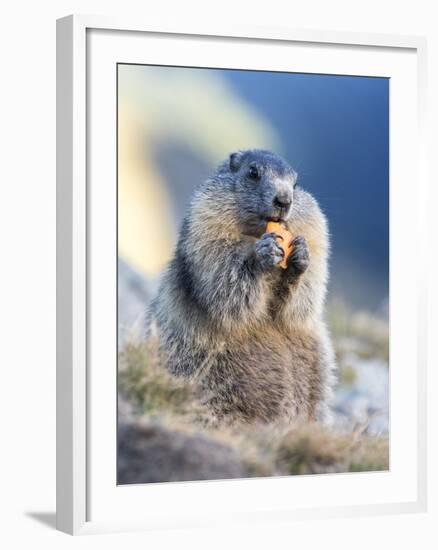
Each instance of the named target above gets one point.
<point>82,413</point>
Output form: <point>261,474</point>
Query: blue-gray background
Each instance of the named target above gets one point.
<point>335,132</point>
<point>176,124</point>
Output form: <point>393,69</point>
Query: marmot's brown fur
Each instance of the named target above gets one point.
<point>249,333</point>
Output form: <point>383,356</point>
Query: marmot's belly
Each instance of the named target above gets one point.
<point>264,380</point>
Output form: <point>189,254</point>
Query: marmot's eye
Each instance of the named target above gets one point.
<point>253,173</point>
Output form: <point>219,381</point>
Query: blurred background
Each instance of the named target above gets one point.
<point>176,124</point>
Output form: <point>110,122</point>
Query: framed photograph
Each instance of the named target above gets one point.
<point>241,291</point>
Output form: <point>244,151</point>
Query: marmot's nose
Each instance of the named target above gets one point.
<point>282,201</point>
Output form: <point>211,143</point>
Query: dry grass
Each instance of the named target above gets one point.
<point>144,382</point>
<point>310,449</point>
<point>365,335</point>
<point>283,450</point>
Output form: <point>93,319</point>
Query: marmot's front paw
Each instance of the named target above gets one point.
<point>268,252</point>
<point>299,260</point>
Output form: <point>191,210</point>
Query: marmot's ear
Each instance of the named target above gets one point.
<point>295,177</point>
<point>236,161</point>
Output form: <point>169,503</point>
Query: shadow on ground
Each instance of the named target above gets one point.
<point>46,518</point>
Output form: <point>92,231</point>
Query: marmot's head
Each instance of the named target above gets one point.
<point>263,186</point>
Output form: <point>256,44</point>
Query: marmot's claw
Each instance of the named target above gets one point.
<point>268,252</point>
<point>299,260</point>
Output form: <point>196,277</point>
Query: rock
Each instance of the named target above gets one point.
<point>366,401</point>
<point>151,453</point>
<point>134,293</point>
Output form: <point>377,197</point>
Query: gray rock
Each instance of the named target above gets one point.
<point>134,293</point>
<point>366,402</point>
<point>151,453</point>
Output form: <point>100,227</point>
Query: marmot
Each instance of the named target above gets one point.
<point>249,333</point>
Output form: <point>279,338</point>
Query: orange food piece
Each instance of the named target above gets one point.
<point>284,239</point>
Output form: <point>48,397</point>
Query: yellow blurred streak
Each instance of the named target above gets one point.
<point>195,108</point>
<point>145,230</point>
